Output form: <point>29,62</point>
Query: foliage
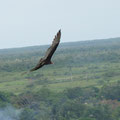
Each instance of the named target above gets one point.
<point>83,84</point>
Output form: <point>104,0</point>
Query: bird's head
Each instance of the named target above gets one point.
<point>51,62</point>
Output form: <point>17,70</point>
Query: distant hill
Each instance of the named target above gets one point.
<point>88,43</point>
<point>82,63</point>
<point>82,84</point>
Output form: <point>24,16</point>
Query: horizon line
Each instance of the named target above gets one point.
<point>60,43</point>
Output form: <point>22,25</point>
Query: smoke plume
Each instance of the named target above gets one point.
<point>10,113</point>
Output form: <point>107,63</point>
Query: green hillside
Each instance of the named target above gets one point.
<point>88,63</point>
<point>82,84</point>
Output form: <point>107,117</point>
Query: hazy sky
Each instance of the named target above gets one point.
<point>35,22</point>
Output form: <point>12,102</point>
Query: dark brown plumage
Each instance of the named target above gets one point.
<point>47,58</point>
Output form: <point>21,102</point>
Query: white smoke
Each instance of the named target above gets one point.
<point>10,113</point>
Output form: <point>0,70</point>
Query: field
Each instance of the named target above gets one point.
<point>89,63</point>
<point>83,81</point>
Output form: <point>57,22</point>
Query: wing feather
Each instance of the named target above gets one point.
<point>53,47</point>
<point>39,65</point>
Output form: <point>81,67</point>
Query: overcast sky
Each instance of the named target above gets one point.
<point>35,22</point>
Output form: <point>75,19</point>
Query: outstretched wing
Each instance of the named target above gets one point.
<point>53,47</point>
<point>39,65</point>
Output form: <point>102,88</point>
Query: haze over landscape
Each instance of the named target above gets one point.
<point>84,81</point>
<point>28,22</point>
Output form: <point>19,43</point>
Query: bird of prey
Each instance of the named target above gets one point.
<point>46,60</point>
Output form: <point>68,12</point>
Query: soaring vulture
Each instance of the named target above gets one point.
<point>47,58</point>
